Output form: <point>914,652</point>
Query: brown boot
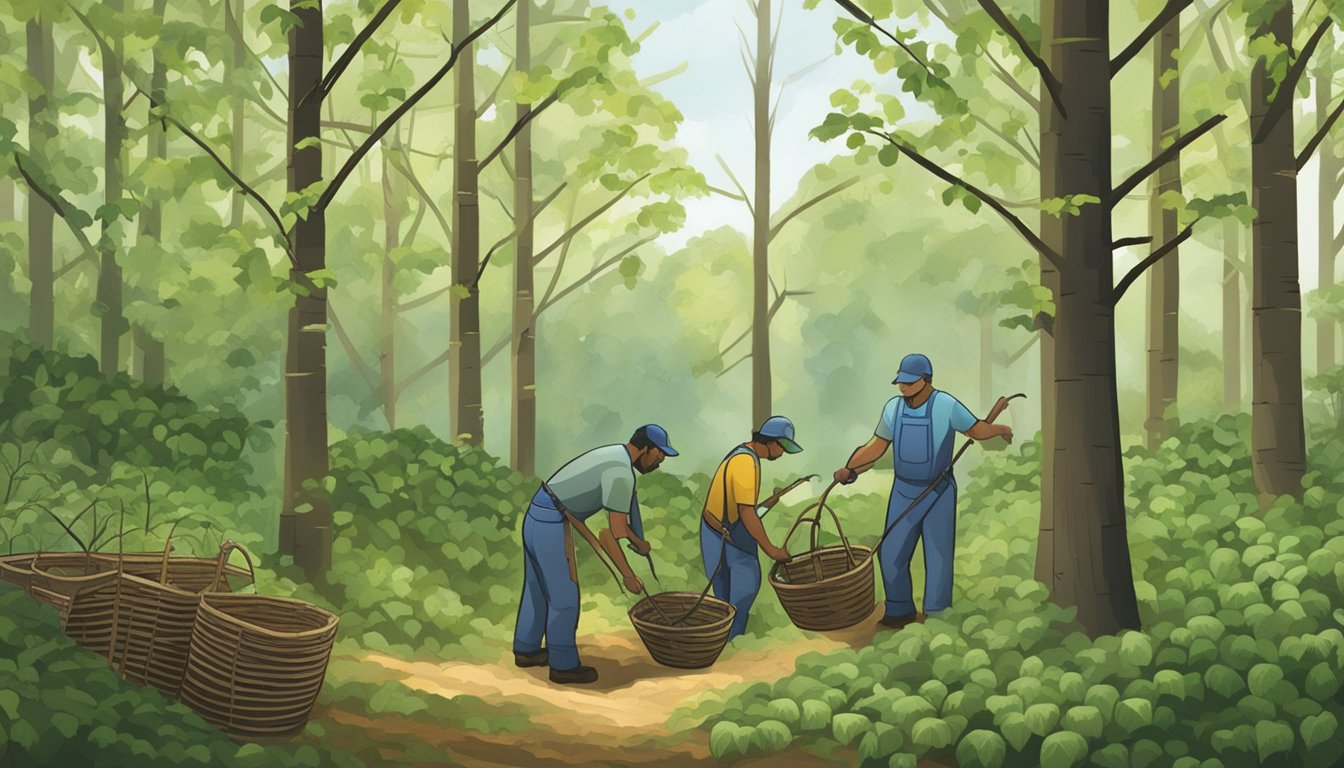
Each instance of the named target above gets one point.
<point>537,659</point>
<point>900,622</point>
<point>579,675</point>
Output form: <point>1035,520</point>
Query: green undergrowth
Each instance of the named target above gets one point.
<point>1239,661</point>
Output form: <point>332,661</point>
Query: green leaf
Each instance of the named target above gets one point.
<point>1133,714</point>
<point>772,736</point>
<point>816,715</point>
<point>1136,648</point>
<point>1319,729</point>
<point>931,733</point>
<point>311,141</point>
<point>1084,720</point>
<point>1272,738</point>
<point>848,727</point>
<point>1262,678</point>
<point>981,749</point>
<point>1042,718</point>
<point>1064,749</point>
<point>287,19</point>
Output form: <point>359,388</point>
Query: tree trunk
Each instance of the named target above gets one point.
<point>1232,312</point>
<point>150,361</point>
<point>761,406</point>
<point>41,128</point>
<point>523,419</point>
<point>6,200</point>
<point>238,133</point>
<point>305,520</point>
<point>387,323</point>
<point>468,419</point>
<point>987,358</point>
<point>1328,170</point>
<point>1278,442</point>
<point>1164,279</point>
<point>1088,548</point>
<point>109,292</point>
<point>1052,234</point>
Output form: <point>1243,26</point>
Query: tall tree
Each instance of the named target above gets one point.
<point>1083,548</point>
<point>1164,279</point>
<point>234,14</point>
<point>150,359</point>
<point>1329,186</point>
<point>1278,439</point>
<point>41,216</point>
<point>765,298</point>
<point>523,378</point>
<point>464,363</point>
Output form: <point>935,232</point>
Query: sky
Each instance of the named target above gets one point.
<point>714,96</point>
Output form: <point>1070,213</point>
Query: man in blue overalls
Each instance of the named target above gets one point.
<point>732,501</point>
<point>920,422</point>
<point>603,478</point>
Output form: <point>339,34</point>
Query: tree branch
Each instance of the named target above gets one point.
<point>377,133</point>
<point>1163,157</point>
<point>589,219</point>
<point>859,14</point>
<point>283,235</point>
<point>425,369</point>
<point>1283,100</point>
<point>1125,242</point>
<point>1048,78</point>
<point>409,173</point>
<point>736,363</point>
<point>343,125</point>
<point>1031,237</point>
<point>741,190</point>
<point>338,68</point>
<point>517,128</point>
<point>350,348</point>
<point>1170,11</point>
<point>1149,261</point>
<point>423,300</point>
<point>1321,133</point>
<point>775,230</point>
<point>727,194</point>
<point>504,75</point>
<point>592,273</point>
<point>1339,239</point>
<point>1031,342</point>
<point>87,251</point>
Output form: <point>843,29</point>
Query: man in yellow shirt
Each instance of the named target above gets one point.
<point>731,563</point>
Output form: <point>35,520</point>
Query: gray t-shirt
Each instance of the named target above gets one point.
<point>602,478</point>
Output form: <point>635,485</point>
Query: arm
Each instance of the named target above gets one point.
<point>863,459</point>
<point>983,430</point>
<point>756,528</point>
<point>618,528</point>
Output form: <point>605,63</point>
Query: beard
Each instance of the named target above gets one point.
<point>645,466</point>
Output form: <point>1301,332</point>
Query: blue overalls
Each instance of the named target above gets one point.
<point>935,518</point>
<point>550,603</point>
<point>739,579</point>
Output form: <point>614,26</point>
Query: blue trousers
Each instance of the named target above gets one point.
<point>739,579</point>
<point>550,603</point>
<point>935,520</point>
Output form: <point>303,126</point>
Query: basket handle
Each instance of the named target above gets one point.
<point>225,549</point>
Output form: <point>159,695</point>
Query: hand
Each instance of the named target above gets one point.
<point>769,502</point>
<point>640,546</point>
<point>633,583</point>
<point>1006,433</point>
<point>778,554</point>
<point>845,475</point>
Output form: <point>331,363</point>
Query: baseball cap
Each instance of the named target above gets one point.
<point>913,368</point>
<point>658,436</point>
<point>781,429</point>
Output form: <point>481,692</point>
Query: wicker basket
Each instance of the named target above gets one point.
<point>190,574</point>
<point>83,592</point>
<point>695,645</point>
<point>825,588</point>
<point>154,618</point>
<point>257,663</point>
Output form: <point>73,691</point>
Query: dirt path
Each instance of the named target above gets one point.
<point>622,719</point>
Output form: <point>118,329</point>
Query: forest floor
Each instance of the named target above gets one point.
<point>622,719</point>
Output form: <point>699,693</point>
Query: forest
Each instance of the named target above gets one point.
<point>342,282</point>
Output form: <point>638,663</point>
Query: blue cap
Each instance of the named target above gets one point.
<point>914,368</point>
<point>658,436</point>
<point>781,429</point>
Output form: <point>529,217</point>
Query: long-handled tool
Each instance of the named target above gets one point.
<point>780,493</point>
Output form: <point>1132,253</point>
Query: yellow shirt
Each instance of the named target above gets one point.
<point>744,483</point>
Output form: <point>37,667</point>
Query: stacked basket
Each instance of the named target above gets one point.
<point>251,665</point>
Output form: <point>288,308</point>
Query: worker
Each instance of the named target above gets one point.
<point>602,478</point>
<point>731,562</point>
<point>920,422</point>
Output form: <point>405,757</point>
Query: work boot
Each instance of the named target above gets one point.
<point>535,659</point>
<point>579,675</point>
<point>899,622</point>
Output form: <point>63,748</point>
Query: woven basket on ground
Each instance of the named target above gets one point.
<point>154,617</point>
<point>83,591</point>
<point>693,645</point>
<point>257,663</point>
<point>829,587</point>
